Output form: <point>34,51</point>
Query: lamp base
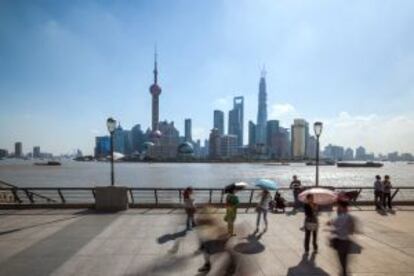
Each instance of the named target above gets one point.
<point>111,198</point>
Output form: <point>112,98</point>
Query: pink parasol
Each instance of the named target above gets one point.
<point>321,196</point>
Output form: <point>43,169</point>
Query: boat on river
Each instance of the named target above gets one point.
<point>48,163</point>
<point>321,163</point>
<point>359,165</point>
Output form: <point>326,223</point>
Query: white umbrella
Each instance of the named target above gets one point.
<point>321,196</point>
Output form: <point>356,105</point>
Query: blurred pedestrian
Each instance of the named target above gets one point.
<point>378,192</point>
<point>262,207</point>
<point>344,225</point>
<point>279,202</point>
<point>189,207</point>
<point>387,192</point>
<point>311,223</point>
<point>232,202</point>
<point>296,186</point>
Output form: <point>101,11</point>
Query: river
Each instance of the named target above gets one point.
<point>89,174</point>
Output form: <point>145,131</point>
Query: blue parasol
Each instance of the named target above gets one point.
<point>266,184</point>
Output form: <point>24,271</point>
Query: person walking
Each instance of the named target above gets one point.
<point>189,207</point>
<point>378,188</point>
<point>232,201</point>
<point>311,223</point>
<point>262,207</point>
<point>344,225</point>
<point>296,186</point>
<point>387,192</point>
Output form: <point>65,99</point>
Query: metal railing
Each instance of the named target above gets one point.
<point>11,197</point>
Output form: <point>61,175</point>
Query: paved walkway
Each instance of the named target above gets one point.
<point>152,242</point>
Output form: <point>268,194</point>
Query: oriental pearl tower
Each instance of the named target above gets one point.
<point>155,91</point>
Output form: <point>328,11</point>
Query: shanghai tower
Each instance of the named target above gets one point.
<point>262,111</point>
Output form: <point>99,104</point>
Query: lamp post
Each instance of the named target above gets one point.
<point>317,128</point>
<point>111,124</point>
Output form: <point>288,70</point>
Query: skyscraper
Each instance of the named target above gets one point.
<point>36,152</point>
<point>272,129</point>
<point>262,111</point>
<point>187,130</point>
<point>252,134</point>
<point>214,144</point>
<point>155,91</point>
<point>219,121</point>
<point>236,119</point>
<point>299,136</point>
<point>18,150</point>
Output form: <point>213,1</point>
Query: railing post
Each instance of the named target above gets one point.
<point>132,196</point>
<point>210,196</point>
<point>180,195</point>
<point>29,195</point>
<point>93,193</point>
<point>395,193</point>
<point>16,197</point>
<point>156,196</point>
<point>61,196</point>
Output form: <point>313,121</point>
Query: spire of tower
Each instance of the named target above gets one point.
<point>263,73</point>
<point>155,64</point>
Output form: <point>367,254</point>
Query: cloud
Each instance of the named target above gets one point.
<point>378,133</point>
<point>222,103</point>
<point>278,110</point>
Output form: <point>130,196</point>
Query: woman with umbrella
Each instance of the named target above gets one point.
<point>262,207</point>
<point>265,199</point>
<point>311,223</point>
<point>313,198</point>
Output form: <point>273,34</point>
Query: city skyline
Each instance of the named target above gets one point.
<point>82,82</point>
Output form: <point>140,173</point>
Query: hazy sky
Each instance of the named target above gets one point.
<point>65,66</point>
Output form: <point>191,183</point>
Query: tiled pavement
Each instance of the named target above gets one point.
<point>152,242</point>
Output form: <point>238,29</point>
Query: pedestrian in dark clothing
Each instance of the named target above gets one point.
<point>189,207</point>
<point>296,186</point>
<point>279,202</point>
<point>387,192</point>
<point>311,223</point>
<point>378,192</point>
<point>344,225</point>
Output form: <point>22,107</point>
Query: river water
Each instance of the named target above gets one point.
<point>89,174</point>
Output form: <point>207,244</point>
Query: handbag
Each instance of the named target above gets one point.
<point>311,226</point>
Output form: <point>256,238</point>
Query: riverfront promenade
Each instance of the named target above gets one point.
<point>151,242</point>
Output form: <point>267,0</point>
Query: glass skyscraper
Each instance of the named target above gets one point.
<point>262,111</point>
<point>236,117</point>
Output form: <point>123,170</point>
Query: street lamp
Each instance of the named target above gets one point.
<point>317,128</point>
<point>111,124</point>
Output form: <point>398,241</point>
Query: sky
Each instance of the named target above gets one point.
<point>66,66</point>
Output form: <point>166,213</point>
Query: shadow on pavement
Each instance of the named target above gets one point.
<point>170,237</point>
<point>306,266</point>
<point>252,246</point>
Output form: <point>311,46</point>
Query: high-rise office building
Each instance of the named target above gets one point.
<point>138,138</point>
<point>228,146</point>
<point>187,130</point>
<point>252,134</point>
<point>272,129</point>
<point>102,146</point>
<point>262,111</point>
<point>236,118</point>
<point>36,152</point>
<point>155,91</point>
<point>283,144</point>
<point>311,147</point>
<point>349,154</point>
<point>219,121</point>
<point>214,144</point>
<point>299,137</point>
<point>168,142</point>
<point>360,153</point>
<point>18,150</point>
<point>3,153</point>
<point>334,152</point>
